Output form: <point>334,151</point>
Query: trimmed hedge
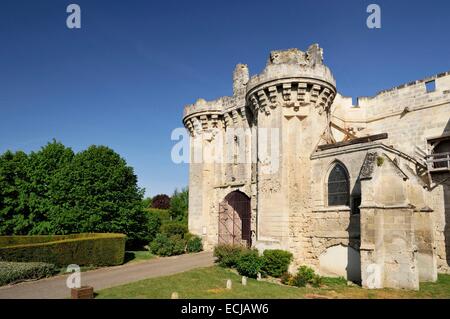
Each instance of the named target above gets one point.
<point>13,272</point>
<point>62,250</point>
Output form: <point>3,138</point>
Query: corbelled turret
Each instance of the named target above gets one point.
<point>292,79</point>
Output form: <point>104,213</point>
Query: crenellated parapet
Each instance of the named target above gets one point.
<point>203,115</point>
<point>219,114</point>
<point>292,79</point>
<point>227,111</point>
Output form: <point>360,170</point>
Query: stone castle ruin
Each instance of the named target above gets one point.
<point>360,191</point>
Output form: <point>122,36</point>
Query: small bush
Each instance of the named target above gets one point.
<point>306,276</point>
<point>174,228</point>
<point>163,245</point>
<point>194,244</point>
<point>228,255</point>
<point>13,272</point>
<point>249,264</point>
<point>276,262</point>
<point>286,279</point>
<point>178,244</point>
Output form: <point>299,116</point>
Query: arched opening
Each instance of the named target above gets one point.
<point>338,186</point>
<point>235,220</point>
<point>342,261</point>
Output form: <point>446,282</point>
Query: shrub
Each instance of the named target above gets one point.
<point>276,262</point>
<point>286,279</point>
<point>153,226</point>
<point>194,244</point>
<point>161,246</point>
<point>174,228</point>
<point>306,275</point>
<point>80,249</point>
<point>161,201</point>
<point>167,246</point>
<point>13,272</point>
<point>249,263</point>
<point>228,255</point>
<point>178,244</point>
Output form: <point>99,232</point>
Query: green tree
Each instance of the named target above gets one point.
<point>54,191</point>
<point>98,192</point>
<point>42,170</point>
<point>14,210</point>
<point>179,204</point>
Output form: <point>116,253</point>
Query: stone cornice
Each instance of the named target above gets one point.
<point>292,93</point>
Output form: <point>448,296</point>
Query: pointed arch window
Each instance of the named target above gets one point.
<point>338,186</point>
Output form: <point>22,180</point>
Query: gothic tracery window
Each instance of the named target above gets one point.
<point>338,186</point>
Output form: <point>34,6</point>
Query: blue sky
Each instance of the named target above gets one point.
<point>123,78</point>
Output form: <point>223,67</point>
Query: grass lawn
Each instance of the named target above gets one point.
<point>130,257</point>
<point>135,256</point>
<point>210,283</point>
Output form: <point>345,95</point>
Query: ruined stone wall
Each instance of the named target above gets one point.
<point>410,115</point>
<point>331,226</point>
<point>388,241</point>
<point>220,156</point>
<point>439,201</point>
<point>282,115</point>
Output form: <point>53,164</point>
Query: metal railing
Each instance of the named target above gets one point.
<point>438,162</point>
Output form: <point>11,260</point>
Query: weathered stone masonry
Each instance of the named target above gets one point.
<point>359,191</point>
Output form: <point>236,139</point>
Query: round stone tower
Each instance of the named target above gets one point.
<point>290,101</point>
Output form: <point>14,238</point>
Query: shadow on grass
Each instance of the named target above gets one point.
<point>129,256</point>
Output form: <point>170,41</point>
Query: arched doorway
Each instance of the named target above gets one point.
<point>235,220</point>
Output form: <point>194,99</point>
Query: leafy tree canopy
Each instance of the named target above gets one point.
<point>55,191</point>
<point>179,203</point>
<point>161,201</point>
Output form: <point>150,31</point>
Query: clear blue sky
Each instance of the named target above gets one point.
<point>123,79</point>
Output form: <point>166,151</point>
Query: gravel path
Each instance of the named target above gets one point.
<point>55,287</point>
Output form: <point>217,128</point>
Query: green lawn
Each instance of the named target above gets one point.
<point>210,283</point>
<point>135,256</point>
<point>130,257</point>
